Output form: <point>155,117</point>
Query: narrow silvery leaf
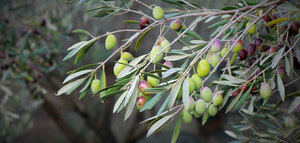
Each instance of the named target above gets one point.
<point>131,104</point>
<point>153,117</point>
<point>158,124</point>
<point>233,79</point>
<point>119,101</point>
<point>185,93</point>
<point>191,47</point>
<point>294,105</point>
<point>170,72</point>
<point>176,57</point>
<point>69,86</point>
<point>77,49</point>
<point>174,93</point>
<point>229,133</point>
<point>74,75</point>
<point>280,87</point>
<point>76,45</point>
<point>277,58</point>
<point>211,18</point>
<point>127,69</point>
<point>130,91</point>
<point>266,58</point>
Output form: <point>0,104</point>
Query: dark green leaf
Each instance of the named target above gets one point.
<point>110,94</point>
<point>150,104</point>
<point>223,22</point>
<point>267,37</point>
<point>102,82</point>
<point>82,94</point>
<point>229,8</point>
<point>141,39</point>
<point>131,21</point>
<point>193,34</point>
<point>87,83</point>
<point>243,98</point>
<point>83,32</point>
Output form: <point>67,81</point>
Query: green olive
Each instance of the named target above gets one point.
<point>203,68</point>
<point>95,86</point>
<point>119,67</point>
<point>110,41</point>
<point>158,12</point>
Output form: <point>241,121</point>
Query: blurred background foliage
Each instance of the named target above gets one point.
<point>34,37</point>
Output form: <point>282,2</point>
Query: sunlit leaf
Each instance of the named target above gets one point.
<point>74,75</point>
<point>174,93</point>
<point>185,93</point>
<point>77,49</point>
<point>176,57</point>
<point>119,101</point>
<point>69,86</point>
<point>131,104</point>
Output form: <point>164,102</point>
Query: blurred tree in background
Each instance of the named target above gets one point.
<point>34,39</point>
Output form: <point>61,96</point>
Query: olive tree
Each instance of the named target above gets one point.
<point>253,46</point>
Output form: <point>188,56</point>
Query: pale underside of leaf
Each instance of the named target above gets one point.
<point>158,124</point>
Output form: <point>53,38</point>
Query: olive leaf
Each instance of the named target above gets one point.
<point>102,82</point>
<point>87,83</point>
<point>150,104</point>
<point>70,86</point>
<point>277,58</point>
<point>131,90</point>
<point>79,47</point>
<point>280,87</point>
<point>141,39</point>
<point>132,102</point>
<point>83,32</point>
<point>205,117</point>
<point>119,101</point>
<point>74,75</point>
<point>176,57</point>
<point>177,129</point>
<point>170,72</point>
<point>127,70</point>
<point>158,124</point>
<point>174,93</point>
<point>185,93</point>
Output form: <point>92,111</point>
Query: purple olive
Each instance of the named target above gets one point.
<point>251,50</point>
<point>243,54</point>
<point>258,43</point>
<point>144,22</point>
<point>281,71</point>
<point>251,61</point>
